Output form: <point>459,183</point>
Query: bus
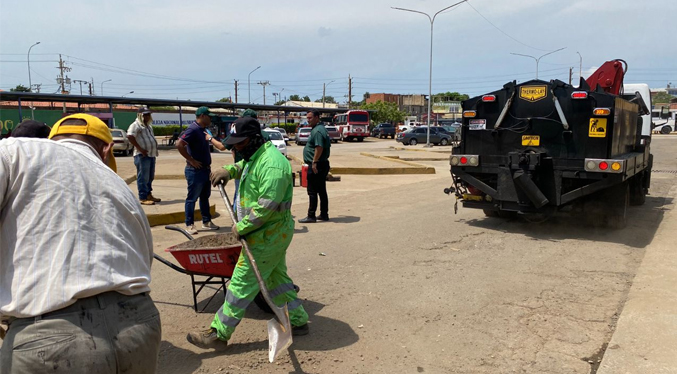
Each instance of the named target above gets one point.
<point>353,124</point>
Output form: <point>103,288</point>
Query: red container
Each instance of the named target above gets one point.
<point>208,261</point>
<point>304,175</point>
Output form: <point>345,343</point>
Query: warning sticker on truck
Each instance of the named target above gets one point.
<point>477,124</point>
<point>597,128</point>
<point>531,140</point>
<point>533,93</point>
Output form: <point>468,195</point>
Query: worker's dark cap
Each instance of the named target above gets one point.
<point>203,110</point>
<point>31,129</point>
<point>144,110</point>
<point>243,128</point>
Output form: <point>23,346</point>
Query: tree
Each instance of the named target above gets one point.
<point>662,97</point>
<point>20,88</point>
<point>384,112</point>
<point>279,102</point>
<point>450,96</point>
<point>225,100</point>
<point>295,98</point>
<point>327,99</point>
<point>306,98</point>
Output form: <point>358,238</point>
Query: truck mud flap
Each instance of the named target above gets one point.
<point>524,182</point>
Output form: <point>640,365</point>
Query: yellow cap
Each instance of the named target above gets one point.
<point>91,126</point>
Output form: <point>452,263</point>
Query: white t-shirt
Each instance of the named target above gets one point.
<point>70,228</point>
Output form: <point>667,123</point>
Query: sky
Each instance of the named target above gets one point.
<point>196,49</point>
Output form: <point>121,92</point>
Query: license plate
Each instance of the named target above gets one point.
<point>531,140</point>
<point>472,197</point>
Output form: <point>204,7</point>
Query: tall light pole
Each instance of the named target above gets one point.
<point>107,80</point>
<point>537,59</point>
<point>430,77</point>
<point>30,83</point>
<point>249,89</point>
<point>324,89</point>
<point>130,92</point>
<point>580,66</point>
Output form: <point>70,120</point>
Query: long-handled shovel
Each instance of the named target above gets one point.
<point>279,328</point>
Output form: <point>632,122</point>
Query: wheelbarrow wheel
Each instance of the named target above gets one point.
<point>263,305</point>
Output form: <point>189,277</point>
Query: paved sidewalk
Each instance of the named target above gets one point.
<point>645,340</point>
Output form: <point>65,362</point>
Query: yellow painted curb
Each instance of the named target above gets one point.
<point>176,217</point>
<point>381,171</point>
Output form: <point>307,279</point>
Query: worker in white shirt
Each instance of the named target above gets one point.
<point>75,257</point>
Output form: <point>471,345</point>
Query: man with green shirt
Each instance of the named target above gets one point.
<point>316,155</point>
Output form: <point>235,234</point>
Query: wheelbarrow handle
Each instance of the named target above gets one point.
<point>177,228</point>
<point>262,284</point>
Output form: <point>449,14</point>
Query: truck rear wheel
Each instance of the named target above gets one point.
<point>360,139</point>
<point>666,130</point>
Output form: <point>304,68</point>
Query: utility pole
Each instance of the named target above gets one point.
<point>91,89</point>
<point>264,84</point>
<point>235,90</point>
<point>275,96</point>
<point>60,80</point>
<point>80,82</point>
<point>571,71</point>
<point>350,91</point>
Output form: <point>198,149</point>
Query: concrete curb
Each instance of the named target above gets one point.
<point>176,217</point>
<point>418,158</point>
<point>645,338</point>
<point>416,169</point>
<point>418,150</point>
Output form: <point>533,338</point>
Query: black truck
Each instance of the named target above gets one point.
<point>535,148</point>
<point>383,130</point>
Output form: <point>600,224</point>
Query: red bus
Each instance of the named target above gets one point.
<point>353,124</point>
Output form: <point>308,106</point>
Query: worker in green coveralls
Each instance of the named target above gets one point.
<point>266,223</point>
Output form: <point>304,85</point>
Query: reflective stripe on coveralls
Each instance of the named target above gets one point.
<point>266,196</point>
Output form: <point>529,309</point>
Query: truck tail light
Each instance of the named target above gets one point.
<point>604,166</point>
<point>489,98</point>
<point>469,114</point>
<point>464,160</point>
<point>601,111</point>
<point>579,95</point>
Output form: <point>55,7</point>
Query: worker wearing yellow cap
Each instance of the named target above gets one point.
<point>75,256</point>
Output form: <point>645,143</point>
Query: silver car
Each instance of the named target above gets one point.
<point>121,143</point>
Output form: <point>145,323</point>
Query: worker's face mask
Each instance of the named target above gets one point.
<point>254,144</point>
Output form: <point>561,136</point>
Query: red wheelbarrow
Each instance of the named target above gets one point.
<point>205,265</point>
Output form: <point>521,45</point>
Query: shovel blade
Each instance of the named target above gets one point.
<point>279,338</point>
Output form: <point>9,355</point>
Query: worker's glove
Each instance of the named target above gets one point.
<point>219,176</point>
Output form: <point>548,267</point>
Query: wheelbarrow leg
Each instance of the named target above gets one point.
<point>192,283</point>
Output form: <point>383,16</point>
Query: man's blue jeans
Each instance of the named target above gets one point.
<point>145,173</point>
<point>199,187</point>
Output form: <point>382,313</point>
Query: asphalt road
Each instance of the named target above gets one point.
<point>407,286</point>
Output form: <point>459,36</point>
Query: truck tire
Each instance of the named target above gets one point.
<point>490,213</point>
<point>392,136</point>
<point>666,130</point>
<point>637,190</point>
<point>619,199</point>
<point>361,138</point>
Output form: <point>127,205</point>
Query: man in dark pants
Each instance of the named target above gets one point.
<point>316,155</point>
<point>194,147</point>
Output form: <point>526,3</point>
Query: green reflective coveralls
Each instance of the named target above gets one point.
<point>267,224</point>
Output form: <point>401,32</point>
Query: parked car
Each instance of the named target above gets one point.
<point>383,130</point>
<point>334,134</point>
<point>453,130</point>
<point>284,133</point>
<point>420,134</point>
<point>277,139</point>
<point>121,142</point>
<point>302,135</point>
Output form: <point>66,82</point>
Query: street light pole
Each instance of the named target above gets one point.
<point>580,66</point>
<point>107,80</point>
<point>430,75</point>
<point>537,59</point>
<point>324,89</point>
<point>130,92</point>
<point>249,89</point>
<point>30,83</point>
